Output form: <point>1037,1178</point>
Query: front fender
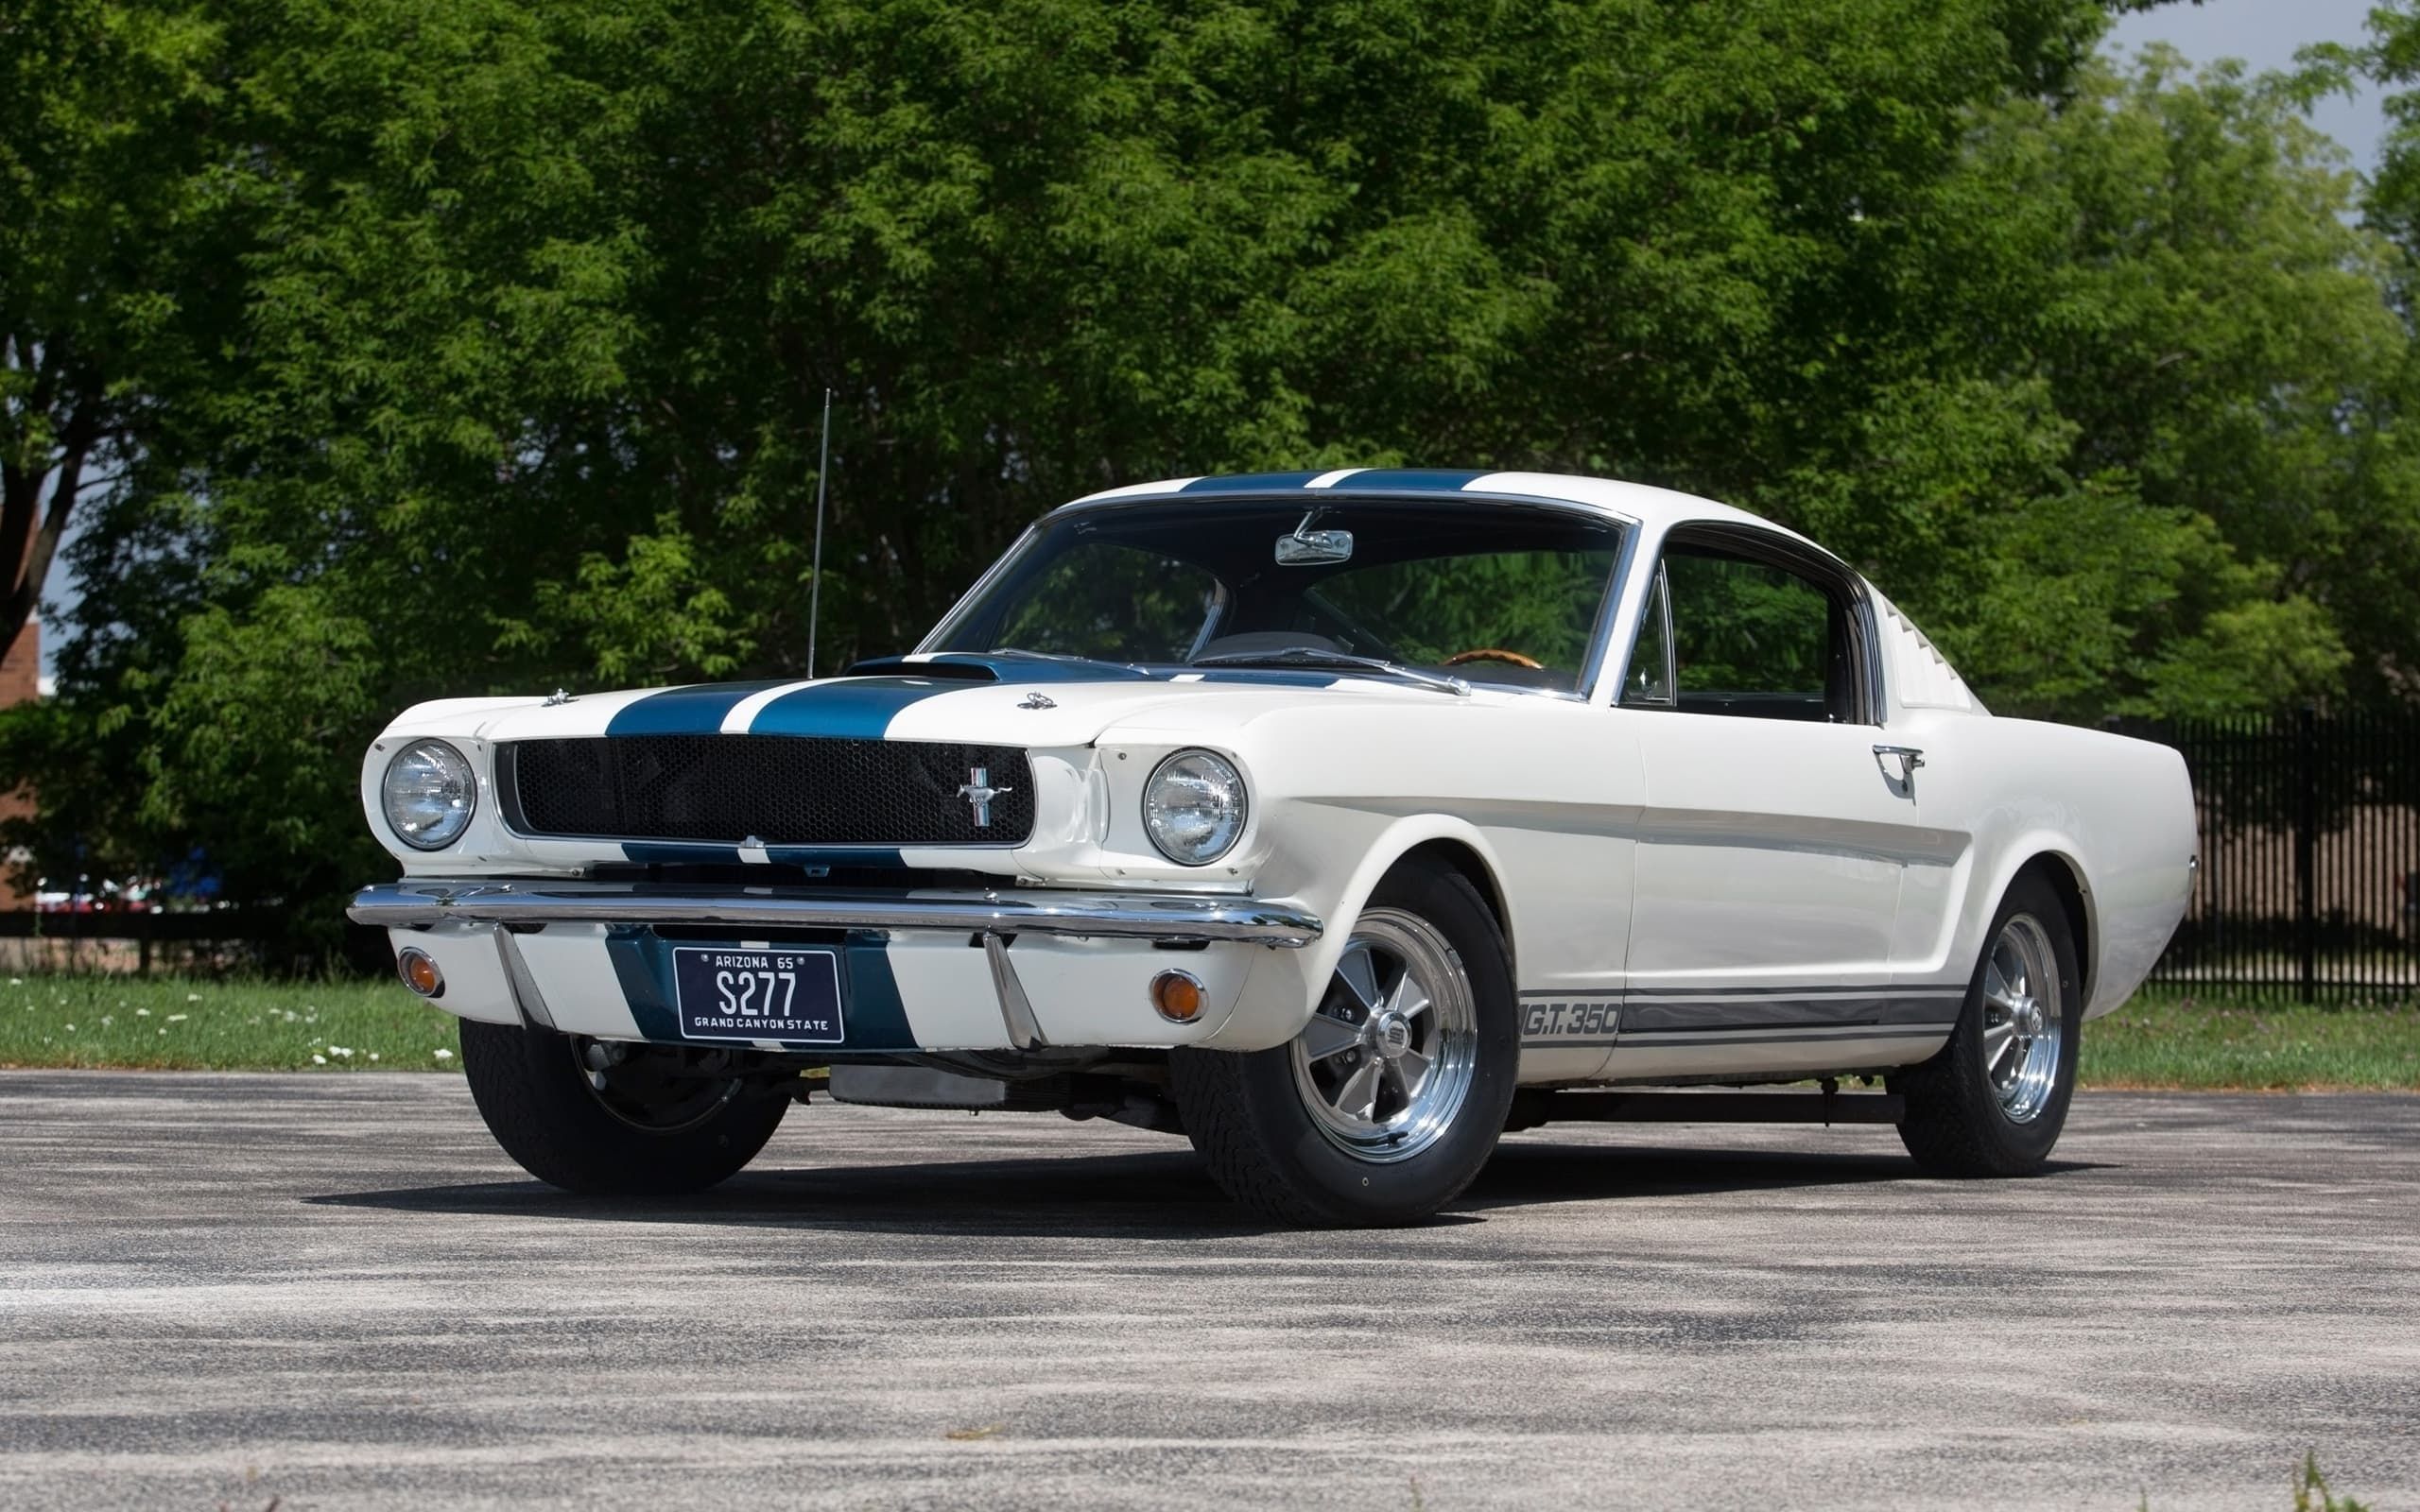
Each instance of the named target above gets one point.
<point>1286,986</point>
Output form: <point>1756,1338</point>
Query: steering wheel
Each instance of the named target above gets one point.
<point>1491,653</point>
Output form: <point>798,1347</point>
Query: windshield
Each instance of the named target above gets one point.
<point>1497,593</point>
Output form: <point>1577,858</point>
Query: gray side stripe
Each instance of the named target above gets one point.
<point>1638,994</point>
<point>1847,1032</point>
<point>1711,1015</point>
<point>1868,989</point>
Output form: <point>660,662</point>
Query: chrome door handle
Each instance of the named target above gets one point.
<point>1909,759</point>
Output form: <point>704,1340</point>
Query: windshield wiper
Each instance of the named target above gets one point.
<point>1311,656</point>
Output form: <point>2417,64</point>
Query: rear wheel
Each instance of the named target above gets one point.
<point>618,1120</point>
<point>1992,1102</point>
<point>1391,1100</point>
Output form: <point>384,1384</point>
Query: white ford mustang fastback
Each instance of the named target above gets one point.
<point>1339,821</point>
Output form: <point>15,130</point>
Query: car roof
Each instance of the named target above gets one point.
<point>1639,502</point>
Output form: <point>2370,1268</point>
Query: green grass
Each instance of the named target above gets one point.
<point>167,1023</point>
<point>2168,1038</point>
<point>2162,1038</point>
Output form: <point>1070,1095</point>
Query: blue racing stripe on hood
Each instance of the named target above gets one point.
<point>854,708</point>
<point>697,710</point>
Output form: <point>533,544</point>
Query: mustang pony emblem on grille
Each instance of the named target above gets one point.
<point>979,791</point>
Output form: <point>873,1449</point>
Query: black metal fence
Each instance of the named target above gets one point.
<point>116,939</point>
<point>2310,881</point>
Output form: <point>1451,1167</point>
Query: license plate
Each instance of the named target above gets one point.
<point>728,993</point>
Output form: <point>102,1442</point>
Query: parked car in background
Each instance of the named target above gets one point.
<point>86,896</point>
<point>1337,820</point>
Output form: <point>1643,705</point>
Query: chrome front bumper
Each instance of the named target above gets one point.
<point>497,908</point>
<point>1122,916</point>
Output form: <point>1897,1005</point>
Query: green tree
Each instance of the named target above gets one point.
<point>115,261</point>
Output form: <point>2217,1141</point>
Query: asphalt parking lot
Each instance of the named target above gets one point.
<point>333,1291</point>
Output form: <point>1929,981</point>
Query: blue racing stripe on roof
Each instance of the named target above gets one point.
<point>696,710</point>
<point>1441,480</point>
<point>853,708</point>
<point>1250,483</point>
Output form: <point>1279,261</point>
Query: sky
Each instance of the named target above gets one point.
<point>2263,33</point>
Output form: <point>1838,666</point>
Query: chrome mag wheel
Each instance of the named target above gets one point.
<point>1387,1060</point>
<point>2024,1020</point>
<point>657,1090</point>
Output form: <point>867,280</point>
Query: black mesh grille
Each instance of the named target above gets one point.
<point>781,789</point>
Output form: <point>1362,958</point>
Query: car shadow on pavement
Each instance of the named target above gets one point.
<point>1144,1195</point>
<point>1149,1195</point>
<point>1543,1171</point>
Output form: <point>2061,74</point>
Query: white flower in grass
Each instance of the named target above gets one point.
<point>108,1019</point>
<point>374,1055</point>
<point>142,1013</point>
<point>16,981</point>
<point>71,1029</point>
<point>178,1017</point>
<point>445,1054</point>
<point>338,1050</point>
<point>192,997</point>
<point>319,1061</point>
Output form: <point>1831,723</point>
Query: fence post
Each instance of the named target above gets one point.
<point>2307,849</point>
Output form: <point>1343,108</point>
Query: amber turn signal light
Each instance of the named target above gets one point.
<point>1177,995</point>
<point>420,973</point>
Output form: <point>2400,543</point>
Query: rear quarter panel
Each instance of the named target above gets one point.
<point>2116,811</point>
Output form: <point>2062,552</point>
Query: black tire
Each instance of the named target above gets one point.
<point>1247,1116</point>
<point>1955,1124</point>
<point>539,1107</point>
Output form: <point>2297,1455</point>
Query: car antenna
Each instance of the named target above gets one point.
<point>815,593</point>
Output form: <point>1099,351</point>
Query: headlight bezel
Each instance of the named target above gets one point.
<point>1151,809</point>
<point>430,838</point>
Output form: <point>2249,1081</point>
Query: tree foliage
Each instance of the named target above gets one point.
<point>460,346</point>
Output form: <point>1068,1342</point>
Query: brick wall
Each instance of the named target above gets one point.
<point>18,670</point>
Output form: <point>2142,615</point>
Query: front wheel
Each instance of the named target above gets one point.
<point>608,1119</point>
<point>1391,1099</point>
<point>1992,1102</point>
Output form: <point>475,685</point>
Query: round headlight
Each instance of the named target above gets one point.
<point>430,793</point>
<point>1194,808</point>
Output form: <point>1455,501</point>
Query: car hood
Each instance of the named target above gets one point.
<point>953,696</point>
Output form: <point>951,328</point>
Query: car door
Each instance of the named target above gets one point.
<point>1773,837</point>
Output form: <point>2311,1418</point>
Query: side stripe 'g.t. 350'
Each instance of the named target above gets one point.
<point>1339,820</point>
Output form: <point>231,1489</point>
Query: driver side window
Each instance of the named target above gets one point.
<point>1727,632</point>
